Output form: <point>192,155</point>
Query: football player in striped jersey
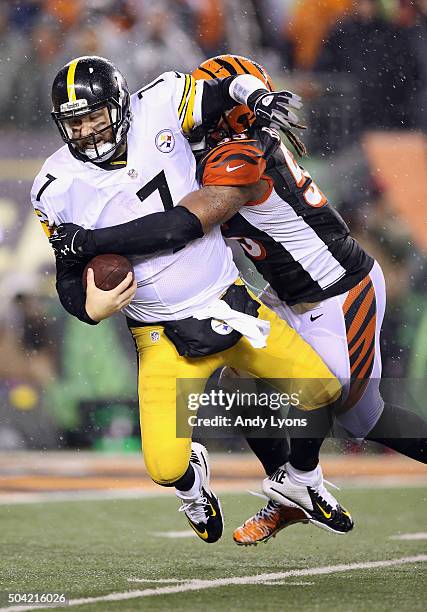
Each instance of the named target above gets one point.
<point>320,280</point>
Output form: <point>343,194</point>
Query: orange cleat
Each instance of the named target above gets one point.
<point>266,523</point>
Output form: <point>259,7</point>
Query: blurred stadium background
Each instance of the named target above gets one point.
<point>361,68</point>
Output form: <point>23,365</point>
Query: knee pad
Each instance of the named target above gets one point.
<point>363,416</point>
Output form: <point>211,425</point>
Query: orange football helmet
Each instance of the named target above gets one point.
<point>239,118</point>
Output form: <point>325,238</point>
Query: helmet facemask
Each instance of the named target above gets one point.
<point>100,145</point>
<point>203,139</point>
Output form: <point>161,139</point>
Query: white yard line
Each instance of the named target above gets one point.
<point>155,580</point>
<point>418,535</point>
<point>286,583</point>
<point>201,585</point>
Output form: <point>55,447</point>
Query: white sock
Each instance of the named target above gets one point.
<point>194,492</point>
<point>312,478</point>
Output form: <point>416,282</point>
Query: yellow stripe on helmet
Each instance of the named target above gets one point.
<point>71,88</point>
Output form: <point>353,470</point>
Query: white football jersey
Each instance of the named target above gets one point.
<point>160,171</point>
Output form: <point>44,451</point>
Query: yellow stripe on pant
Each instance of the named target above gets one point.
<point>286,356</point>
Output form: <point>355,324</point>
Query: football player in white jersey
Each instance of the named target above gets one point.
<point>126,157</point>
<point>321,282</point>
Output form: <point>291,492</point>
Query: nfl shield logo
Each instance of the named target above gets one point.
<point>165,141</point>
<point>154,336</point>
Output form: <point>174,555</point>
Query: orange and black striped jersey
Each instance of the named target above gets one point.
<point>234,162</point>
<point>293,236</point>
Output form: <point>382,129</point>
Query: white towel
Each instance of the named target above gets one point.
<point>255,330</point>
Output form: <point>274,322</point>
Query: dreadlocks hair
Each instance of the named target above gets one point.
<point>296,141</point>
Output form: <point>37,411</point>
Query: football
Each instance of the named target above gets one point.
<point>109,270</point>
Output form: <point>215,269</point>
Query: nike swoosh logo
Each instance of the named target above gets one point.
<point>202,534</point>
<point>314,318</point>
<point>232,168</point>
<point>327,515</point>
<point>213,511</point>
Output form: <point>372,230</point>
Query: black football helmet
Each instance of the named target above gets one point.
<point>84,85</point>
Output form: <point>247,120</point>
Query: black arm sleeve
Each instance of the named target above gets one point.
<point>216,99</point>
<point>156,232</point>
<point>70,289</point>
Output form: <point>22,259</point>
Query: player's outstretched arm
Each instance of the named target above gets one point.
<point>196,214</point>
<point>160,231</point>
<point>216,204</point>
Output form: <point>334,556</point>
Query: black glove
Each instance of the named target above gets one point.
<point>274,109</point>
<point>70,241</point>
<point>269,140</point>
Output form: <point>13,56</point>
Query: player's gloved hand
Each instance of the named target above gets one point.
<point>269,139</point>
<point>276,109</point>
<point>101,304</point>
<point>72,241</point>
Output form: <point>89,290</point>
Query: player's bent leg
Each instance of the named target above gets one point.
<point>402,430</point>
<point>363,311</point>
<point>345,332</point>
<point>306,490</point>
<point>285,357</point>
<point>169,459</point>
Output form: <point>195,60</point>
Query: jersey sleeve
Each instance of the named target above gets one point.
<point>234,163</point>
<point>176,96</point>
<point>50,196</point>
<point>185,94</point>
<point>40,204</point>
<point>188,100</point>
<point>201,102</point>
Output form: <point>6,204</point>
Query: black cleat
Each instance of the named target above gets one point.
<point>204,514</point>
<point>318,504</point>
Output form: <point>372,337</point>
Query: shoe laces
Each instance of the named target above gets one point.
<point>323,492</point>
<point>195,510</point>
<point>267,512</point>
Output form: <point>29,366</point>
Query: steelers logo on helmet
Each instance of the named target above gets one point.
<point>165,141</point>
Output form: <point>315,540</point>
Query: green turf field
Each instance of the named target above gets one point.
<point>92,548</point>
